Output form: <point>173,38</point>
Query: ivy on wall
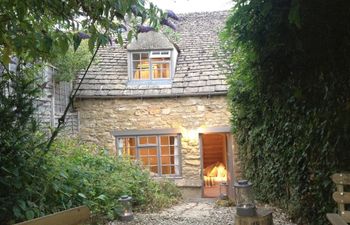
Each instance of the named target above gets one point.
<point>290,99</point>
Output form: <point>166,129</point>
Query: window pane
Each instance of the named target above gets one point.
<point>144,64</point>
<point>165,150</point>
<point>136,65</point>
<point>141,70</point>
<point>172,140</point>
<point>160,70</point>
<point>153,161</point>
<point>132,153</point>
<point>136,56</point>
<point>144,56</point>
<point>144,75</point>
<point>137,75</point>
<point>148,140</point>
<point>172,148</point>
<point>166,170</point>
<point>157,74</point>
<point>154,169</point>
<point>143,152</point>
<point>152,151</point>
<point>126,146</point>
<point>166,160</point>
<point>156,60</point>
<point>164,140</point>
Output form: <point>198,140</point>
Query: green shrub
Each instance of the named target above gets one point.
<point>22,169</point>
<point>74,174</point>
<point>85,174</point>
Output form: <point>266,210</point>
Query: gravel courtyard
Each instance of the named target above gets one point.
<point>196,211</point>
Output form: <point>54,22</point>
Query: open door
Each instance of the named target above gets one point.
<point>216,163</point>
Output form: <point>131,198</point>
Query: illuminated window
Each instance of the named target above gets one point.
<point>152,65</point>
<point>159,154</point>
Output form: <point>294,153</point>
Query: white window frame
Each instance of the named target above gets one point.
<point>151,55</point>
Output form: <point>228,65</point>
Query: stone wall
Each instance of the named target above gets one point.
<point>99,117</point>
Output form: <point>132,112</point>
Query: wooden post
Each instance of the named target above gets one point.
<point>263,217</point>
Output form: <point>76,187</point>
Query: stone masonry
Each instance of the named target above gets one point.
<point>99,117</point>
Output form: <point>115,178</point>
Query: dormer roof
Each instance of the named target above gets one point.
<point>199,68</point>
<point>150,41</point>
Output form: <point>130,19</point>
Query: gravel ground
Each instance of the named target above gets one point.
<point>197,211</point>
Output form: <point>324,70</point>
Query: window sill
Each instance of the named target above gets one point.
<point>157,177</point>
<point>142,83</point>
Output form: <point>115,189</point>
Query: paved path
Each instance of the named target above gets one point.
<point>196,212</point>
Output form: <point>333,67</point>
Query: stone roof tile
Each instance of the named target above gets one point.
<point>198,69</point>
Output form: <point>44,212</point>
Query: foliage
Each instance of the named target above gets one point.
<point>76,173</point>
<point>20,144</point>
<point>40,29</point>
<point>289,93</point>
<point>72,62</point>
<point>86,174</point>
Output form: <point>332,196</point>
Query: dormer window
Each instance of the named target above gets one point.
<point>151,65</point>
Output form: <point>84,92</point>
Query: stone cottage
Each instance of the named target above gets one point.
<point>165,104</point>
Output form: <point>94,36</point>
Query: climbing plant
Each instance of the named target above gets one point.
<point>290,99</point>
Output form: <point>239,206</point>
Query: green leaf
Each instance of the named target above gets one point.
<point>29,214</point>
<point>63,44</point>
<point>102,197</point>
<point>47,43</point>
<point>22,205</point>
<point>294,13</point>
<point>82,195</point>
<point>91,43</point>
<point>76,41</point>
<point>17,212</point>
<point>120,39</point>
<point>64,175</point>
<point>130,33</point>
<point>266,8</point>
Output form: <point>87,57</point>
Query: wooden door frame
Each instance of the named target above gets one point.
<point>229,149</point>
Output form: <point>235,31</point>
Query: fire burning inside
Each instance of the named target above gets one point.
<point>215,174</point>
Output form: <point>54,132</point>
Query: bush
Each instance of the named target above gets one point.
<point>85,174</point>
<point>22,169</point>
<point>74,174</point>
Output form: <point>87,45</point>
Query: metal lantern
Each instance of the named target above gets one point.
<point>223,191</point>
<point>244,198</point>
<point>126,213</point>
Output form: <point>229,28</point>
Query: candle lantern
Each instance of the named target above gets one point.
<point>126,213</point>
<point>244,198</point>
<point>223,191</point>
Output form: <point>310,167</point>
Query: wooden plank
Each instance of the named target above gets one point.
<point>72,216</point>
<point>346,216</point>
<point>341,206</point>
<point>342,197</point>
<point>335,219</point>
<point>341,178</point>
